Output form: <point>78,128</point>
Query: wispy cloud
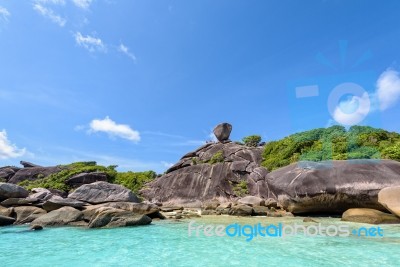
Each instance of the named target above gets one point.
<point>167,164</point>
<point>388,89</point>
<point>92,44</point>
<point>7,149</point>
<point>125,50</point>
<point>49,13</point>
<point>4,14</point>
<point>354,109</point>
<point>84,4</point>
<point>114,129</point>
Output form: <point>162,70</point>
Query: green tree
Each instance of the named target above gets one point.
<point>252,140</point>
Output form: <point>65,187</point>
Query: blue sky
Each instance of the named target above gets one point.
<point>140,83</point>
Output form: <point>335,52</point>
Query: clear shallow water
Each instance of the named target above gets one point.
<point>166,243</point>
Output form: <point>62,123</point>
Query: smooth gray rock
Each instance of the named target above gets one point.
<point>241,210</point>
<point>370,216</point>
<point>332,187</point>
<point>27,164</point>
<point>111,217</point>
<point>8,190</point>
<point>26,214</point>
<point>222,131</point>
<point>18,201</point>
<point>260,211</point>
<point>252,201</point>
<point>62,216</point>
<point>138,208</point>
<point>56,202</point>
<point>7,172</point>
<point>101,192</point>
<point>33,173</point>
<point>86,178</point>
<point>389,197</point>
<point>5,211</point>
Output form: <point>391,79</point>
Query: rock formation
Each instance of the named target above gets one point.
<point>332,186</point>
<point>222,171</point>
<point>370,216</point>
<point>389,197</point>
<point>222,131</point>
<point>100,192</point>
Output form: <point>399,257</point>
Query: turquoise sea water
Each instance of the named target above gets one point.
<point>166,243</point>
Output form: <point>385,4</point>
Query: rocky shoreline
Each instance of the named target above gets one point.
<point>219,178</point>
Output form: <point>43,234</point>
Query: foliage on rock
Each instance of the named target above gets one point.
<point>57,180</point>
<point>252,140</point>
<point>333,143</point>
<point>134,180</point>
<point>217,158</point>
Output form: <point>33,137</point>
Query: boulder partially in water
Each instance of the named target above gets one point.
<point>112,217</point>
<point>62,216</point>
<point>332,186</point>
<point>389,197</point>
<point>370,216</point>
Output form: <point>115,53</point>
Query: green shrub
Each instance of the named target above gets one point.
<point>57,180</point>
<point>217,157</point>
<point>252,140</point>
<point>240,189</point>
<point>359,142</point>
<point>134,180</point>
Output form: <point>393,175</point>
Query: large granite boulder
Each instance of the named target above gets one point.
<point>9,202</point>
<point>389,197</point>
<point>33,173</point>
<point>4,211</point>
<point>332,186</point>
<point>62,216</point>
<point>41,194</point>
<point>370,216</point>
<point>222,131</point>
<point>26,214</point>
<point>101,192</point>
<point>138,208</point>
<point>220,171</point>
<point>112,217</point>
<point>27,164</point>
<point>8,190</point>
<point>86,178</point>
<point>7,172</point>
<point>56,202</point>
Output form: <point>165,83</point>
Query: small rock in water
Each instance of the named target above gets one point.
<point>309,220</point>
<point>36,228</point>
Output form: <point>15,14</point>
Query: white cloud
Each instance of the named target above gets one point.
<point>7,149</point>
<point>113,129</point>
<point>50,14</point>
<point>54,2</point>
<point>353,110</point>
<point>388,88</point>
<point>212,137</point>
<point>167,164</point>
<point>90,43</point>
<point>125,50</point>
<point>4,14</point>
<point>84,4</point>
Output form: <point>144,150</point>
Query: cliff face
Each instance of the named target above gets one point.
<point>222,171</point>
